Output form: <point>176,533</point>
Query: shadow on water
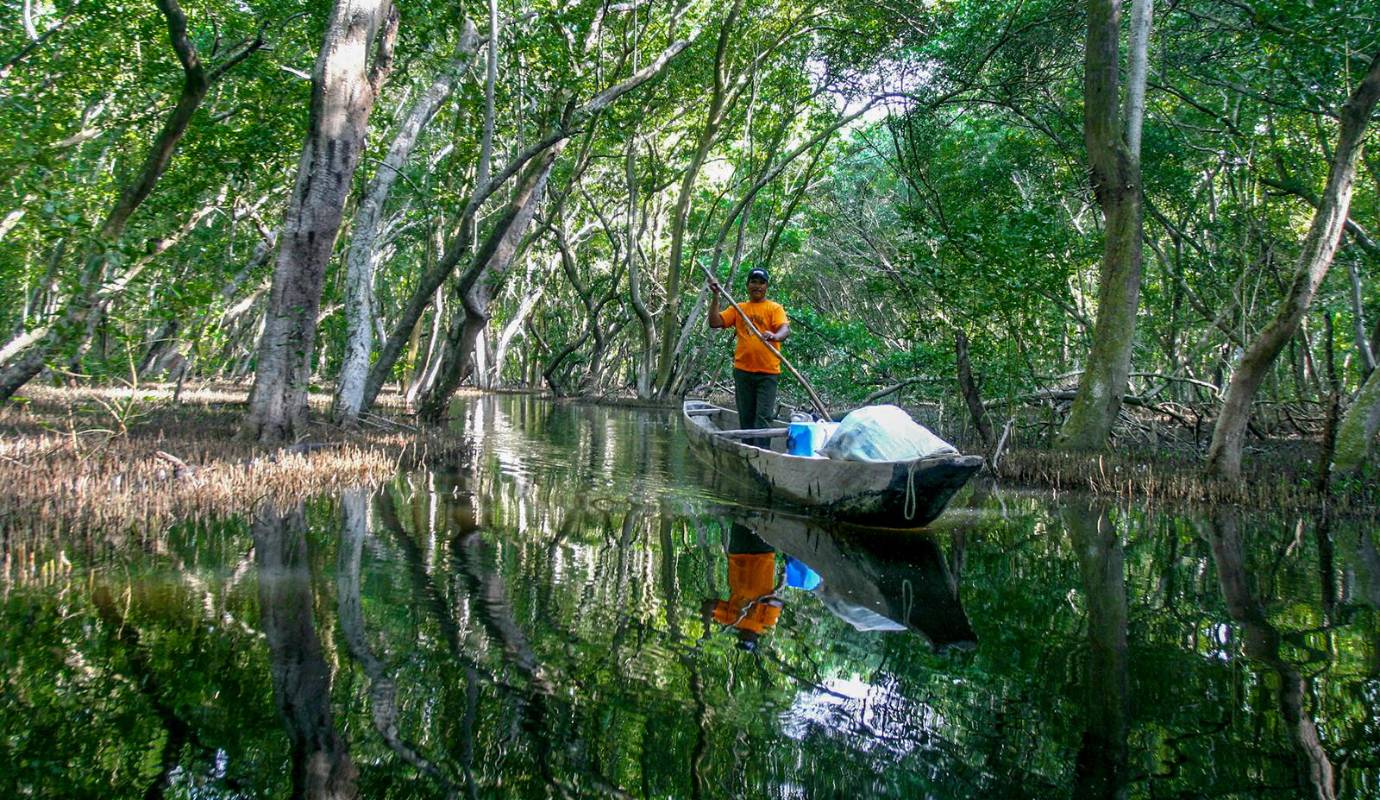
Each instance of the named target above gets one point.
<point>579,613</point>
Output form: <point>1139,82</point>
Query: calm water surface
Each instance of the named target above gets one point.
<point>580,614</point>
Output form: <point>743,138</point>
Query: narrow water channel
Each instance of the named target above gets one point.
<point>578,613</point>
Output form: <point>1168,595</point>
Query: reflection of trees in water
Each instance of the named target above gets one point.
<point>1262,644</point>
<point>465,597</point>
<point>433,599</point>
<point>321,764</point>
<point>481,590</point>
<point>540,582</point>
<point>178,733</point>
<point>383,689</point>
<point>1101,768</point>
<point>1363,586</point>
<point>566,738</point>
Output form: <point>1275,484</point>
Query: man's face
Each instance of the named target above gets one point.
<point>757,289</point>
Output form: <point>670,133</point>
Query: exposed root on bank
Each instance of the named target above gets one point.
<point>110,464</point>
<point>1279,481</point>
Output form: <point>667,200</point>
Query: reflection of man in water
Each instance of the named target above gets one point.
<point>752,606</point>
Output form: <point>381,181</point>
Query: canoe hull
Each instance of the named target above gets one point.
<point>902,494</point>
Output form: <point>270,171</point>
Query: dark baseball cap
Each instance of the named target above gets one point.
<point>760,274</point>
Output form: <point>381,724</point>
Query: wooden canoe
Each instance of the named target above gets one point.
<point>889,494</point>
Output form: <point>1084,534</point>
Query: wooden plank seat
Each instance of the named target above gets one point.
<point>752,433</point>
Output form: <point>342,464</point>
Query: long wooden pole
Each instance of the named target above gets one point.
<point>810,390</point>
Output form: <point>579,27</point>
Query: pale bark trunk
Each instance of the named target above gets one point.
<point>1142,13</point>
<point>490,83</point>
<point>428,284</point>
<point>1358,318</point>
<point>426,369</point>
<point>1116,184</point>
<point>423,343</point>
<point>13,218</point>
<point>479,358</point>
<point>237,321</point>
<point>359,307</point>
<point>1315,257</point>
<point>344,87</point>
<point>28,15</point>
<point>477,285</point>
<point>511,330</point>
<point>646,323</point>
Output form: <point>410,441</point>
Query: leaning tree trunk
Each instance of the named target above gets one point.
<point>969,386</point>
<point>478,285</point>
<point>512,329</point>
<point>1356,434</point>
<point>344,87</point>
<point>646,323</point>
<point>359,307</point>
<point>1228,437</point>
<point>1116,184</point>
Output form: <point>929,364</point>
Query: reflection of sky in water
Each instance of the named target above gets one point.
<point>873,719</point>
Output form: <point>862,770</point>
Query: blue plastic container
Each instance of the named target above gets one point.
<point>799,575</point>
<point>800,439</point>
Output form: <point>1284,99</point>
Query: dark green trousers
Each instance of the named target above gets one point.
<point>755,393</point>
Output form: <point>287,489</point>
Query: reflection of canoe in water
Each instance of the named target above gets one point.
<point>868,574</point>
<point>897,494</point>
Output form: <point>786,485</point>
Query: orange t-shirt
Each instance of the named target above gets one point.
<point>751,355</point>
<point>751,577</point>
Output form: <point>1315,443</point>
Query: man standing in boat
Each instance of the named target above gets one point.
<point>756,365</point>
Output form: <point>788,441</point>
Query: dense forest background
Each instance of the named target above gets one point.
<point>1039,207</point>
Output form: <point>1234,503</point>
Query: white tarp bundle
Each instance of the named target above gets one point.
<point>861,618</point>
<point>883,433</point>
